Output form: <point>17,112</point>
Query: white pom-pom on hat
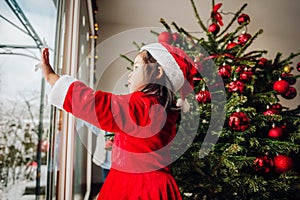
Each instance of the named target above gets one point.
<point>184,104</point>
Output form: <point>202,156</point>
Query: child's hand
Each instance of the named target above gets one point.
<point>108,145</point>
<point>45,57</point>
<point>48,73</point>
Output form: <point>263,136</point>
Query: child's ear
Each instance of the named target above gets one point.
<point>160,72</point>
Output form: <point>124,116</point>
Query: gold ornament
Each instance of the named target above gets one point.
<point>287,69</point>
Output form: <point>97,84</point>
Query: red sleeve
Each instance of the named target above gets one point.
<point>113,113</point>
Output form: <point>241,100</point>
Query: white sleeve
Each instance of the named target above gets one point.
<point>99,155</point>
<point>59,91</point>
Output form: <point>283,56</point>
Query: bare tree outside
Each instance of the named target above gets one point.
<point>18,140</point>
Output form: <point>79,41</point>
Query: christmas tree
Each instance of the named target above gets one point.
<point>256,150</point>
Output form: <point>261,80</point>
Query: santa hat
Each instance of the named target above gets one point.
<point>178,67</point>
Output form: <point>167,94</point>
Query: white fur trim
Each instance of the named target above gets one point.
<point>168,63</point>
<point>59,90</point>
<point>184,104</point>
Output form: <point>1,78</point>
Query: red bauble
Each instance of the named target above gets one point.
<point>276,106</point>
<point>298,66</point>
<point>176,38</point>
<point>283,163</point>
<point>243,18</point>
<point>203,96</point>
<point>240,69</point>
<point>238,121</point>
<point>231,45</point>
<point>289,78</point>
<point>225,71</point>
<point>284,127</point>
<point>246,76</point>
<point>281,86</point>
<point>263,163</point>
<point>214,28</point>
<point>236,86</point>
<point>166,37</point>
<point>243,38</point>
<point>271,111</point>
<point>290,94</point>
<point>275,132</point>
<point>262,62</point>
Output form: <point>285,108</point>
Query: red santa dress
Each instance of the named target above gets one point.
<point>143,129</point>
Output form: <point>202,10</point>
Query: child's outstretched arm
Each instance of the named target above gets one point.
<point>48,73</point>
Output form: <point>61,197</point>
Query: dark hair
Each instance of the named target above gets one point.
<point>161,87</point>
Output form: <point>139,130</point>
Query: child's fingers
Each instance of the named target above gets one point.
<point>45,55</point>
